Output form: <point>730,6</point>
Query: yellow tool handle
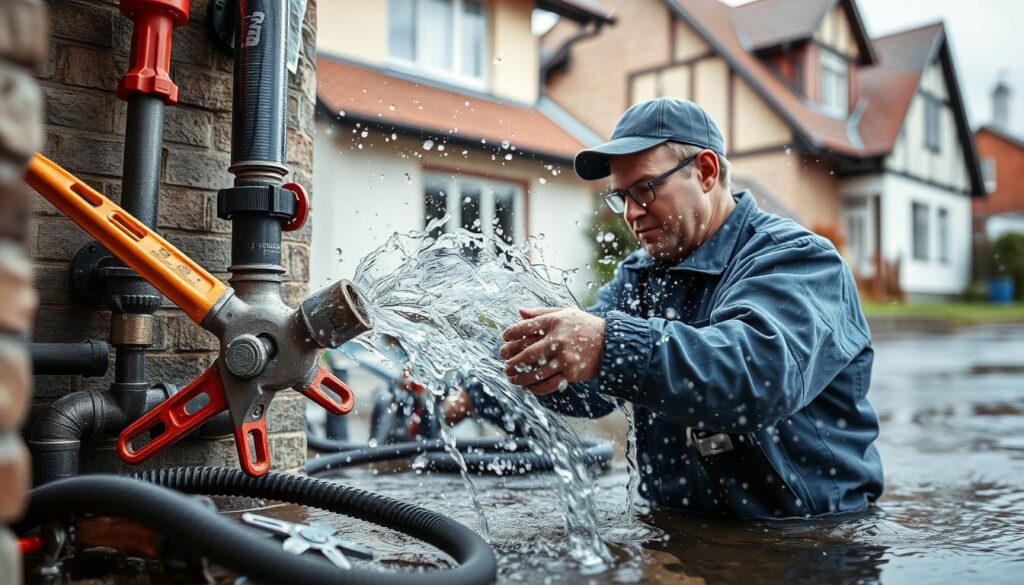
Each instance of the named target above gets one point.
<point>174,274</point>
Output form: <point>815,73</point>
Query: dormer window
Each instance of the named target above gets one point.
<point>835,89</point>
<point>440,38</point>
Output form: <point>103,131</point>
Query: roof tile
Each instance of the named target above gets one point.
<point>376,96</point>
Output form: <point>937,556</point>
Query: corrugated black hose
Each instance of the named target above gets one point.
<point>192,526</point>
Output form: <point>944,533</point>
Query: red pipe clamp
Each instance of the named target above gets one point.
<point>149,71</point>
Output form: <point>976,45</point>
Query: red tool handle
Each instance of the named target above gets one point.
<point>255,460</point>
<point>149,71</point>
<point>342,404</point>
<point>30,544</point>
<point>174,418</point>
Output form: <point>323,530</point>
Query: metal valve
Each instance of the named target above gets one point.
<point>265,346</point>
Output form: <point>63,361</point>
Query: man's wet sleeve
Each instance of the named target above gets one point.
<point>779,334</point>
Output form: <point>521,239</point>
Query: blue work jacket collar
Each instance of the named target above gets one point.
<point>712,256</point>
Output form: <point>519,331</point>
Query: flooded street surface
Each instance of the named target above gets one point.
<point>952,443</point>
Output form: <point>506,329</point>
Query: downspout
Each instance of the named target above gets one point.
<point>258,205</point>
<point>561,56</point>
<point>56,436</point>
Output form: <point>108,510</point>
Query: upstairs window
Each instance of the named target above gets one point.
<point>443,38</point>
<point>834,86</point>
<point>932,109</point>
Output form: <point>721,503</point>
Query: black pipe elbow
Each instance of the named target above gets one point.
<point>57,434</point>
<point>56,437</point>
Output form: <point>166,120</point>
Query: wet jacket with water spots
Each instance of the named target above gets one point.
<point>759,334</point>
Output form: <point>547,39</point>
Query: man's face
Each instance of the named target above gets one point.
<point>673,225</point>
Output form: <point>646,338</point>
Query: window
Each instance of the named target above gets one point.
<point>988,173</point>
<point>860,246</point>
<point>834,89</point>
<point>943,229</point>
<point>919,230</point>
<point>444,38</point>
<point>479,205</point>
<point>932,108</point>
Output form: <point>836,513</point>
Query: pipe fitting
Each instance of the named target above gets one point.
<point>132,329</point>
<point>335,315</point>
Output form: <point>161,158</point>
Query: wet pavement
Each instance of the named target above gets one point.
<point>952,443</point>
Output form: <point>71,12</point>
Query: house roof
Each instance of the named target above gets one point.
<point>378,97</point>
<point>886,88</point>
<point>766,24</point>
<point>713,20</point>
<point>1003,135</point>
<point>890,86</point>
<point>579,10</point>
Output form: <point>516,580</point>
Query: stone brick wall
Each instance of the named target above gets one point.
<point>85,123</point>
<point>22,28</point>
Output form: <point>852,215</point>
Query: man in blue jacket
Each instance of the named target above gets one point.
<point>737,336</point>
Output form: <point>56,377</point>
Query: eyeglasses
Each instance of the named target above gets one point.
<point>642,191</point>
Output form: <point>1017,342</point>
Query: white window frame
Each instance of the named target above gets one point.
<point>487,186</point>
<point>834,69</point>
<point>454,75</point>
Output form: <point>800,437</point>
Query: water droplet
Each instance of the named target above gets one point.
<point>392,107</point>
<point>497,61</point>
<point>428,144</point>
<point>544,181</point>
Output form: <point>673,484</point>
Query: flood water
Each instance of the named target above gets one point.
<point>952,443</point>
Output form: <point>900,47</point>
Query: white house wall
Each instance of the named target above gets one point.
<point>926,277</point>
<point>910,156</point>
<point>362,196</point>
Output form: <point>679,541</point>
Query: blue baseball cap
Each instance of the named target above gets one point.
<point>647,125</point>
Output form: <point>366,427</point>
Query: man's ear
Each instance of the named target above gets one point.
<point>707,164</point>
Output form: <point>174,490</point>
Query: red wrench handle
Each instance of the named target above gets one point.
<point>316,392</point>
<point>255,462</point>
<point>174,418</point>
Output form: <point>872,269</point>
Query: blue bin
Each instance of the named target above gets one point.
<point>1000,290</point>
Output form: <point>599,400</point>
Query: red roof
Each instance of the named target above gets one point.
<point>715,21</point>
<point>377,97</point>
<point>889,87</point>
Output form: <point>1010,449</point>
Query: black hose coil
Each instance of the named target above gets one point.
<point>481,455</point>
<point>227,543</point>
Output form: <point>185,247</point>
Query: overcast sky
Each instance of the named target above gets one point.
<point>986,37</point>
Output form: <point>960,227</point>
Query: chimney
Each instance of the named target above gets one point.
<point>1001,106</point>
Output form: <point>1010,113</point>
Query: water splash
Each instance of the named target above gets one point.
<point>445,301</point>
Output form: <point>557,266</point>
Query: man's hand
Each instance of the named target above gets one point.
<point>552,347</point>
